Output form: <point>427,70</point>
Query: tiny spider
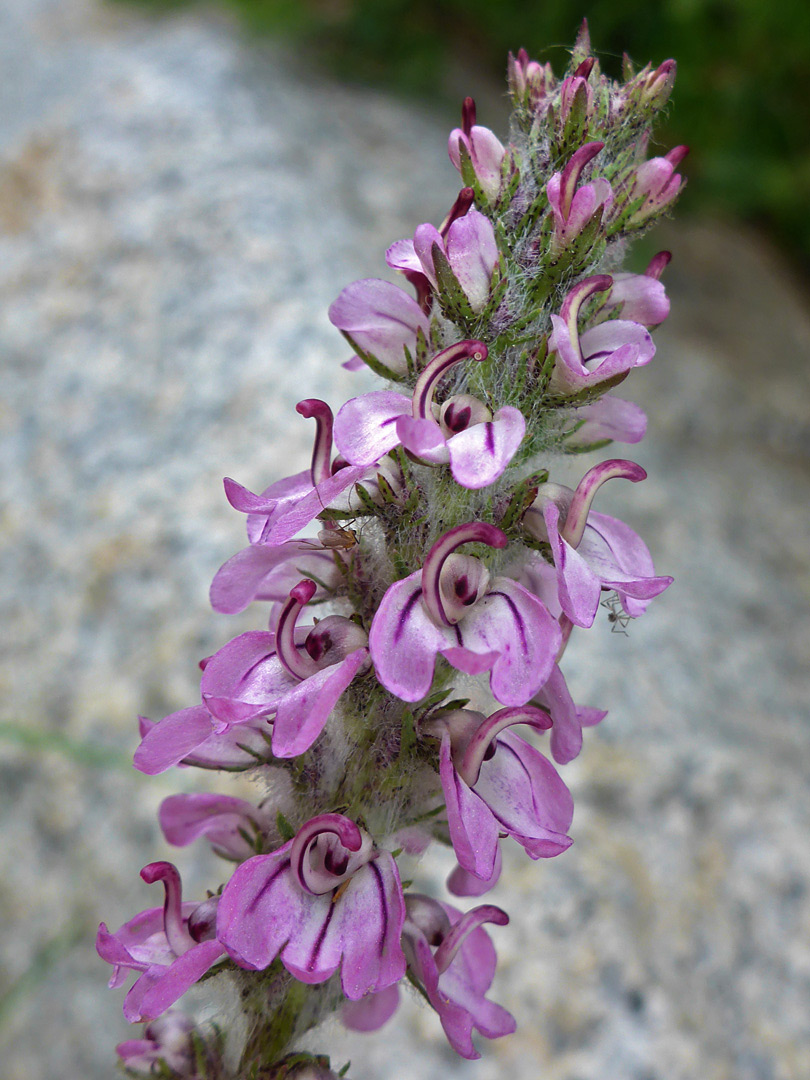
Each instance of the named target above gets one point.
<point>617,617</point>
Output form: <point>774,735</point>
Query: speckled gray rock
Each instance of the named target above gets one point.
<point>177,210</point>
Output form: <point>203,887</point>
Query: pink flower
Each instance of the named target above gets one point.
<point>188,737</point>
<point>477,444</point>
<point>287,506</point>
<point>224,820</point>
<point>641,298</point>
<point>529,80</point>
<point>451,608</point>
<point>380,320</point>
<point>469,247</point>
<point>574,207</point>
<point>166,1039</point>
<point>268,572</point>
<point>496,783</point>
<point>602,355</point>
<point>592,551</point>
<point>324,900</point>
<point>452,957</point>
<point>171,947</point>
<point>658,183</point>
<point>296,675</point>
<point>484,149</point>
<point>608,419</point>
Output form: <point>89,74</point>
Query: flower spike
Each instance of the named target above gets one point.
<point>361,726</point>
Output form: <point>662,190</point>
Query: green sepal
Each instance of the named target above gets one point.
<point>377,366</point>
<point>598,445</point>
<point>522,498</point>
<point>407,740</point>
<point>470,177</point>
<point>623,220</point>
<point>452,298</point>
<point>285,829</point>
<point>387,493</point>
<point>510,182</point>
<point>588,394</point>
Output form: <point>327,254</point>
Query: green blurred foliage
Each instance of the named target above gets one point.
<point>740,102</point>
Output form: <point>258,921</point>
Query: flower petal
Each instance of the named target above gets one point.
<point>174,738</point>
<point>423,437</point>
<point>404,640</point>
<point>609,418</point>
<point>164,989</point>
<point>481,453</point>
<point>381,318</point>
<point>365,428</point>
<point>579,587</point>
<point>302,713</point>
<point>473,828</point>
<point>245,678</point>
<point>260,908</point>
<point>511,621</point>
<point>371,1011</point>
<point>239,580</point>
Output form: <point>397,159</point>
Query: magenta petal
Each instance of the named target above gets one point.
<point>382,318</point>
<point>473,255</point>
<point>244,500</point>
<point>590,717</point>
<point>302,713</point>
<point>365,428</point>
<point>245,679</point>
<point>167,743</point>
<point>371,1011</point>
<point>403,640</point>
<point>621,559</point>
<point>402,256</point>
<point>368,926</point>
<point>316,565</point>
<point>285,493</point>
<point>455,1019</point>
<point>609,337</point>
<point>511,621</point>
<point>610,418</point>
<point>177,978</point>
<point>473,829</point>
<point>469,662</point>
<point>423,240</point>
<point>579,587</point>
<point>184,818</point>
<point>284,525</point>
<point>462,883</point>
<point>237,582</point>
<point>423,438</point>
<point>566,730</point>
<point>362,928</point>
<point>526,794</point>
<point>643,298</point>
<point>110,948</point>
<point>261,906</point>
<point>224,750</point>
<point>481,453</point>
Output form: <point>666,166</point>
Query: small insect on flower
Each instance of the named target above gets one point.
<point>617,617</point>
<point>337,539</point>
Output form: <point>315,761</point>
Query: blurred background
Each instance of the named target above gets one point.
<point>183,191</point>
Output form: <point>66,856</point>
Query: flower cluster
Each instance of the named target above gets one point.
<point>424,618</point>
